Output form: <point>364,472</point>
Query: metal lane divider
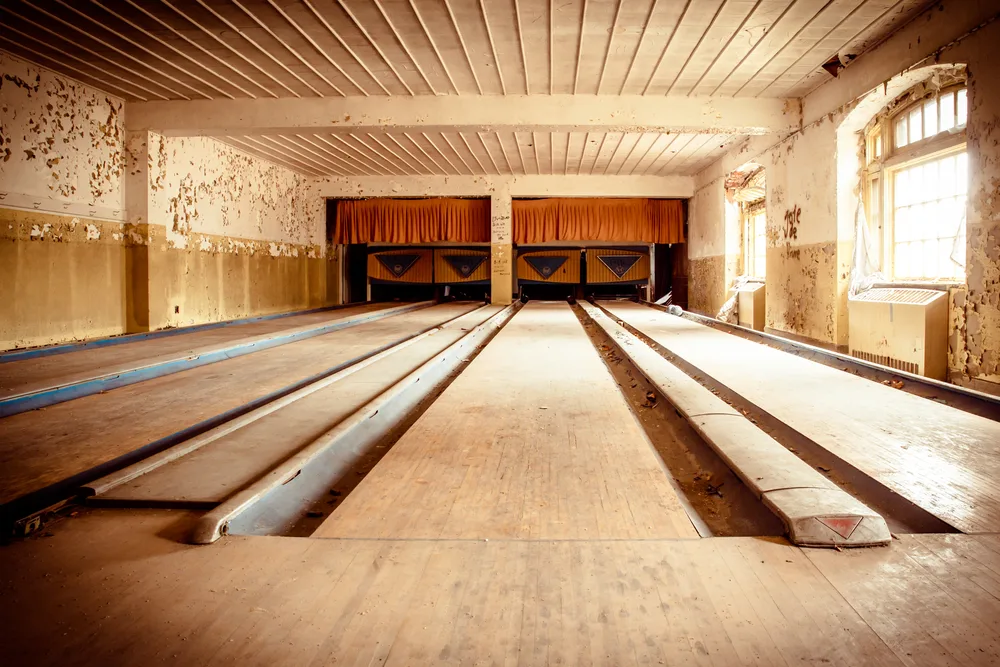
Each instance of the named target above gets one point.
<point>274,502</point>
<point>40,398</point>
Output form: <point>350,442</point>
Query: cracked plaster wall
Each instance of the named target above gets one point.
<point>61,143</point>
<point>978,361</point>
<point>200,189</point>
<point>803,296</point>
<point>713,248</point>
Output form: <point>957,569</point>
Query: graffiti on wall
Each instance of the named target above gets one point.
<point>792,218</point>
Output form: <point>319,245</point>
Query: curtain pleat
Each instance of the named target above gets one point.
<point>535,220</point>
<point>413,221</point>
<point>581,219</point>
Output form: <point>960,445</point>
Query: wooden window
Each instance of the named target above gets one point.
<point>927,118</point>
<point>758,221</point>
<point>915,194</point>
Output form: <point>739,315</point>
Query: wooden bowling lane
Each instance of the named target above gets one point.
<point>532,441</point>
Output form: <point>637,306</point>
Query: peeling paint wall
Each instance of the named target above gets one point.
<point>104,233</point>
<point>803,295</point>
<point>227,235</point>
<point>201,187</point>
<point>982,307</point>
<point>812,193</point>
<point>802,291</point>
<point>62,240</point>
<point>61,143</point>
<point>713,248</point>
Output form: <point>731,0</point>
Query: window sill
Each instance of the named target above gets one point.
<point>941,286</point>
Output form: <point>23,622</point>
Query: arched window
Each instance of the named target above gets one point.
<point>916,181</point>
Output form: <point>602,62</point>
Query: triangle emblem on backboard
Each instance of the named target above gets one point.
<point>842,525</point>
<point>465,265</point>
<point>397,264</point>
<point>545,265</point>
<point>619,264</point>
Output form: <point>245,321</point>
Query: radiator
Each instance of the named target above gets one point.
<point>750,306</point>
<point>905,329</point>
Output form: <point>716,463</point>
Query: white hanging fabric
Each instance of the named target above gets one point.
<point>864,267</point>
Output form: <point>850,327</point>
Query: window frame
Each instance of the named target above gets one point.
<point>748,211</point>
<point>879,200</point>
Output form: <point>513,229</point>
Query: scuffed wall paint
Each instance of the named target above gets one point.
<point>802,268</point>
<point>204,232</point>
<point>706,284</point>
<point>957,352</point>
<point>820,181</point>
<point>61,143</point>
<point>804,296</point>
<point>799,291</point>
<point>707,247</point>
<point>62,268</point>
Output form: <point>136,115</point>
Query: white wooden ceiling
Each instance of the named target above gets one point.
<point>481,154</point>
<point>147,50</point>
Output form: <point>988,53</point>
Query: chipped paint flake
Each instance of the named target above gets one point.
<point>39,231</point>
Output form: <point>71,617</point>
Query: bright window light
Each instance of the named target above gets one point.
<point>929,219</point>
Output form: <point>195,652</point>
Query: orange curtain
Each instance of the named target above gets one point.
<point>644,220</point>
<point>412,220</point>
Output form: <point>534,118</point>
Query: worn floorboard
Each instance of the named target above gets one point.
<point>533,440</point>
<point>115,587</point>
<point>216,471</point>
<point>523,520</point>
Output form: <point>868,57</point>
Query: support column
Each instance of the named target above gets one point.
<point>501,247</point>
<point>137,232</point>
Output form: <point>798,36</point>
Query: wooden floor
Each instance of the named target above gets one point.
<point>115,588</point>
<point>41,372</point>
<point>532,441</point>
<point>45,446</point>
<point>945,460</point>
<point>523,520</point>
